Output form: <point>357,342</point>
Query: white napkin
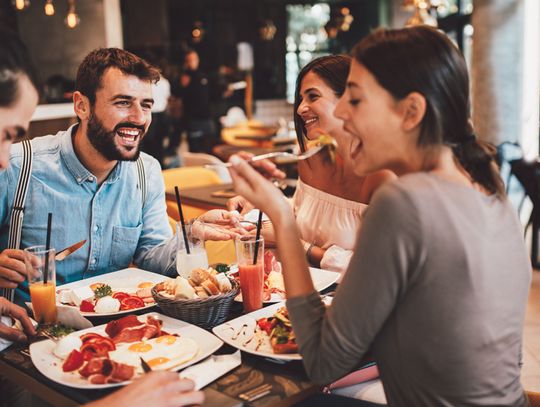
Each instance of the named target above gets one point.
<point>13,323</point>
<point>69,316</point>
<point>4,343</point>
<point>211,369</point>
<point>253,216</point>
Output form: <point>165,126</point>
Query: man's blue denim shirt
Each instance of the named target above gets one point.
<point>110,216</point>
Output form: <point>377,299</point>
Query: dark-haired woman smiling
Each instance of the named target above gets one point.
<point>438,284</point>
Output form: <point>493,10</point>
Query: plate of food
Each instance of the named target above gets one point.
<point>274,289</point>
<point>266,332</point>
<point>115,293</point>
<point>110,355</point>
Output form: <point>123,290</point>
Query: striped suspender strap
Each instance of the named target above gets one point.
<point>142,179</point>
<point>17,212</point>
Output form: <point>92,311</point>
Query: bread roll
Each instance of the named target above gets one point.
<point>210,287</point>
<point>201,292</point>
<point>224,283</point>
<point>199,275</point>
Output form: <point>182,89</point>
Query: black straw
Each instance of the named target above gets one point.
<point>257,237</point>
<point>47,248</point>
<point>182,222</point>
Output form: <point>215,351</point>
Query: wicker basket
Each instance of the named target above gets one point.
<point>203,312</point>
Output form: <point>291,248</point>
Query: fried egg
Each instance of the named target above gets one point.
<point>162,353</point>
<point>145,284</point>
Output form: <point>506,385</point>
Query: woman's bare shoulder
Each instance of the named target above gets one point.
<point>374,181</point>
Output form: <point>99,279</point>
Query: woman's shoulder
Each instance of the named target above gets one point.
<point>373,181</point>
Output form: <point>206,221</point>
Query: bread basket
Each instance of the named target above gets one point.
<point>203,312</point>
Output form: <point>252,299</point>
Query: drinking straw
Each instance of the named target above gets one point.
<point>182,222</point>
<point>257,237</point>
<point>47,247</point>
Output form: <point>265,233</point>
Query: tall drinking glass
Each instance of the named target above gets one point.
<point>197,257</point>
<point>251,275</point>
<point>41,274</point>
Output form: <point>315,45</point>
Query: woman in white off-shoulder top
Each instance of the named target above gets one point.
<point>330,199</point>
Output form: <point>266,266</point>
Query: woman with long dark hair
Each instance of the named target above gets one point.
<point>438,284</point>
<point>330,199</point>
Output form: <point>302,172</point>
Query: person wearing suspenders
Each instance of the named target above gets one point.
<point>18,100</point>
<point>93,179</point>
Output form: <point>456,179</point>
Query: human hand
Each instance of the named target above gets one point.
<point>239,204</point>
<point>267,232</point>
<point>219,224</point>
<point>258,190</point>
<point>266,167</point>
<point>162,388</point>
<point>12,268</point>
<point>9,309</point>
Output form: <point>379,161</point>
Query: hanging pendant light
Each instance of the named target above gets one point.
<point>21,5</point>
<point>422,15</point>
<point>49,8</point>
<point>72,19</point>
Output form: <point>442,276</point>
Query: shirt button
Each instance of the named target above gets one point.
<point>79,179</point>
<point>91,179</point>
<point>96,228</point>
<point>93,261</point>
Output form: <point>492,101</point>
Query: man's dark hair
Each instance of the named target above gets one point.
<point>98,61</point>
<point>14,63</point>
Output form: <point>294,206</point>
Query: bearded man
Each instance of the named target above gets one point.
<point>89,178</point>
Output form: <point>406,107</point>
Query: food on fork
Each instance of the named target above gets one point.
<point>327,141</point>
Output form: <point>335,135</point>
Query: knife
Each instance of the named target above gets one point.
<point>145,366</point>
<point>62,254</point>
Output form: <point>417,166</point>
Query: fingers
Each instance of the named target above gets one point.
<point>244,174</point>
<point>7,283</point>
<point>12,334</point>
<point>12,268</point>
<point>20,314</point>
<point>11,276</point>
<point>187,399</point>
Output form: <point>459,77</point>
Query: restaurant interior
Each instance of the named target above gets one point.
<point>250,53</point>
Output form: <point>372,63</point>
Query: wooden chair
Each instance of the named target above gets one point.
<point>190,159</point>
<point>188,177</point>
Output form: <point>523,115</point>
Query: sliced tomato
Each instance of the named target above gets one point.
<point>120,295</point>
<point>73,362</point>
<point>90,335</point>
<point>267,325</point>
<point>95,349</point>
<point>289,347</point>
<point>86,306</point>
<point>131,302</point>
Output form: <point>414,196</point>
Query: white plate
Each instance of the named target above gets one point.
<point>229,330</point>
<point>51,366</point>
<point>322,279</point>
<point>125,280</point>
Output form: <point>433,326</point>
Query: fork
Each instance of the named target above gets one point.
<point>256,393</point>
<point>285,156</point>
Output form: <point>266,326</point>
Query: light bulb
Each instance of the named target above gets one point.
<point>72,19</point>
<point>21,4</point>
<point>49,8</point>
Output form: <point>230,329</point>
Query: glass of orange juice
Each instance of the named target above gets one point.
<point>251,274</point>
<point>41,272</point>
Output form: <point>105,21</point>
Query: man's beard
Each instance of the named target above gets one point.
<point>104,141</point>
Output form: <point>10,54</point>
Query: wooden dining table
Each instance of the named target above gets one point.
<point>289,381</point>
